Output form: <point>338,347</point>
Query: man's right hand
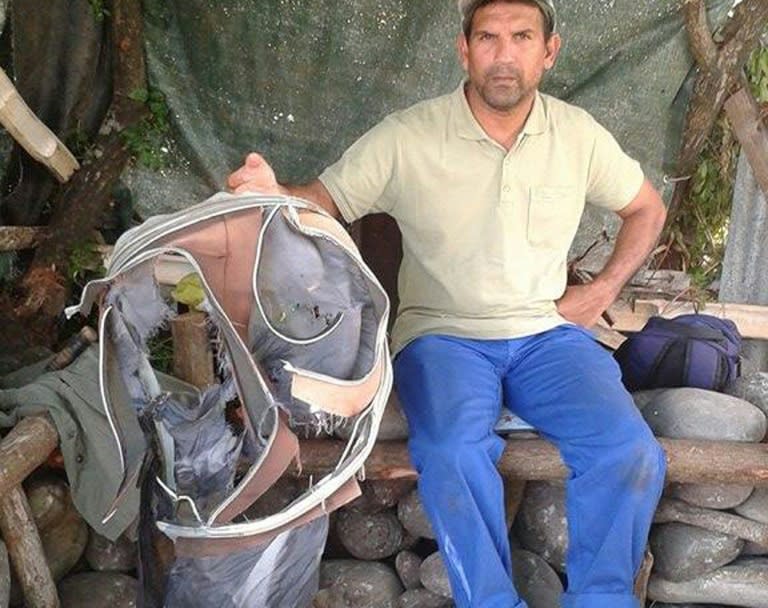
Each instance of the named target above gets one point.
<point>254,176</point>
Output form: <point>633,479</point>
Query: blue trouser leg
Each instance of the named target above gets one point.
<point>450,393</point>
<point>569,388</point>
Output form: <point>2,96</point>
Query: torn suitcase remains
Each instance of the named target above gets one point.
<point>298,325</point>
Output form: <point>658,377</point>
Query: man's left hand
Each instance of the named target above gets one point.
<point>584,304</point>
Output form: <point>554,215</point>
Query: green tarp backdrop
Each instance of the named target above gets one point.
<point>299,81</point>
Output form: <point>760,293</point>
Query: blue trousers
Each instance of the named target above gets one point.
<point>567,386</point>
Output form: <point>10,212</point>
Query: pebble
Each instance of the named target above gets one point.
<point>692,413</point>
<point>104,555</point>
<point>684,552</point>
<point>423,598</point>
<point>370,536</point>
<point>356,584</point>
<point>535,580</point>
<point>5,576</point>
<point>98,590</point>
<point>378,495</point>
<point>753,388</point>
<point>434,576</point>
<point>63,533</point>
<point>413,517</point>
<point>710,496</point>
<point>541,525</point>
<point>407,565</point>
<point>756,506</point>
<point>743,582</point>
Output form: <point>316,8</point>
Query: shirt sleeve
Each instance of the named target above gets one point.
<point>614,177</point>
<point>362,180</point>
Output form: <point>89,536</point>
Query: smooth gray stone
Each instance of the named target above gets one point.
<point>434,576</point>
<point>692,413</point>
<point>643,398</point>
<point>683,552</point>
<point>370,536</point>
<point>407,565</point>
<point>5,576</point>
<point>535,580</point>
<point>541,525</point>
<point>423,598</point>
<point>104,555</point>
<point>49,499</point>
<point>751,548</point>
<point>378,495</point>
<point>665,605</point>
<point>756,506</point>
<point>356,584</point>
<point>413,517</point>
<point>393,426</point>
<point>753,388</point>
<point>63,533</point>
<point>743,582</point>
<point>710,496</point>
<point>275,499</point>
<point>98,590</point>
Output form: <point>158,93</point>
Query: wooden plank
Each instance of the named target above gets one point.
<point>752,320</point>
<point>744,116</point>
<point>688,461</point>
<point>26,551</point>
<point>192,354</point>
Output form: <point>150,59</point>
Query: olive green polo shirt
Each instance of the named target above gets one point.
<point>486,232</point>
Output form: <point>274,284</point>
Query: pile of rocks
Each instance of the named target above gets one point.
<point>704,542</point>
<point>710,542</point>
<point>90,570</point>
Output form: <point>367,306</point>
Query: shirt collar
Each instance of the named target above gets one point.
<point>467,127</point>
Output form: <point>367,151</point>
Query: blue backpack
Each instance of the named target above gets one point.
<point>699,351</point>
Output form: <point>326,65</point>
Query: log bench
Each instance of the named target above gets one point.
<point>33,439</point>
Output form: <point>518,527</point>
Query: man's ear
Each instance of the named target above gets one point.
<point>462,47</point>
<point>553,50</point>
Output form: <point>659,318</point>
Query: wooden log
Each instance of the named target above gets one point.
<point>671,510</point>
<point>192,354</point>
<point>24,449</point>
<point>32,134</point>
<point>752,320</point>
<point>689,461</point>
<point>26,551</point>
<point>744,116</point>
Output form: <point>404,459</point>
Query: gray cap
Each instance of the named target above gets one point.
<point>467,9</point>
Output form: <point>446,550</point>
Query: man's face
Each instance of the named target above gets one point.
<point>507,54</point>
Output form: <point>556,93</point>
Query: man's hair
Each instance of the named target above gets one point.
<point>469,15</point>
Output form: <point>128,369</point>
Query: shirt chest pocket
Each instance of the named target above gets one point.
<point>553,216</point>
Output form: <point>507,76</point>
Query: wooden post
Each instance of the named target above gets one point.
<point>26,551</point>
<point>744,115</point>
<point>688,461</point>
<point>192,355</point>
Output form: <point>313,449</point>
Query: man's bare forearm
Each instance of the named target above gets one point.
<point>314,192</point>
<point>643,221</point>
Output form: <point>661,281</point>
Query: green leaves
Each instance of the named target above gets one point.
<point>148,141</point>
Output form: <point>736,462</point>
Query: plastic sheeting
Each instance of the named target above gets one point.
<point>300,81</point>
